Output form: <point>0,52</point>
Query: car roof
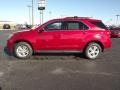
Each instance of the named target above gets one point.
<point>80,18</point>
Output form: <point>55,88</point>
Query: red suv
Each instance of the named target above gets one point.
<point>65,35</point>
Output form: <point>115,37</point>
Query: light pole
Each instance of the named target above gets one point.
<point>29,7</point>
<point>32,12</point>
<point>41,17</point>
<point>41,7</point>
<point>117,19</point>
<point>50,15</point>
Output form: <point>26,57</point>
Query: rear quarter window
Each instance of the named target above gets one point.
<point>99,24</point>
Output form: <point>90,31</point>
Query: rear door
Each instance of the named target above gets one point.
<point>73,35</point>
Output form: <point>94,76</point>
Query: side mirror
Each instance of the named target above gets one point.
<point>41,30</point>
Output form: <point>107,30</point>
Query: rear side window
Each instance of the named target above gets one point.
<point>75,25</point>
<point>72,25</point>
<point>99,24</point>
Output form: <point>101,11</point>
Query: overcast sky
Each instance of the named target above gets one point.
<point>17,10</point>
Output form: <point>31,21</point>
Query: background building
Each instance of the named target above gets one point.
<point>7,25</point>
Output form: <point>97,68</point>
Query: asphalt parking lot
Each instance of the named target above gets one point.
<point>60,71</point>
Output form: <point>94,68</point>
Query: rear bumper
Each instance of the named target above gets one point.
<point>107,44</point>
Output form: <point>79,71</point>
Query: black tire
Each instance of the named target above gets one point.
<point>29,50</point>
<point>95,53</point>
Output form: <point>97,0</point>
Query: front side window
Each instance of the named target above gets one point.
<point>54,26</point>
<point>75,25</point>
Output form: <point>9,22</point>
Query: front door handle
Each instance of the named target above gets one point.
<point>57,36</point>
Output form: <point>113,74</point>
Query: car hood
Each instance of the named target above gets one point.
<point>27,30</point>
<point>23,31</point>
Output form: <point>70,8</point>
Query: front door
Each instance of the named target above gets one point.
<point>50,38</point>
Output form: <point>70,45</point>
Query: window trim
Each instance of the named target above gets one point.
<point>64,27</point>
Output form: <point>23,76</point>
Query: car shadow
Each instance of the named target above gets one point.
<point>0,88</point>
<point>53,56</point>
<point>61,56</point>
<point>6,51</point>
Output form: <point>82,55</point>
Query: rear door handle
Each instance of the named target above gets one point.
<point>84,32</point>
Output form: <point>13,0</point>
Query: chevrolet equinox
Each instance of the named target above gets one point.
<point>65,35</point>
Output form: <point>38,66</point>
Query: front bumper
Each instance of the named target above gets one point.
<point>9,46</point>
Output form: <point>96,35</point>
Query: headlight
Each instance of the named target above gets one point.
<point>10,35</point>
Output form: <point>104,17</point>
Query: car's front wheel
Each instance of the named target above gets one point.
<point>22,50</point>
<point>93,50</point>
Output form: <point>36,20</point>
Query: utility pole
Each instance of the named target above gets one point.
<point>29,7</point>
<point>32,12</point>
<point>117,19</point>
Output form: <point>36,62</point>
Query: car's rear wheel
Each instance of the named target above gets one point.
<point>22,50</point>
<point>93,50</point>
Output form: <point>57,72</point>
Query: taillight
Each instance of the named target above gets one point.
<point>108,33</point>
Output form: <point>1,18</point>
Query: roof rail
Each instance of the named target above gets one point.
<point>79,17</point>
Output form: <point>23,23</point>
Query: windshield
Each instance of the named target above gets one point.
<point>99,24</point>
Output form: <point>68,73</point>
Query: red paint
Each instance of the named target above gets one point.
<point>62,39</point>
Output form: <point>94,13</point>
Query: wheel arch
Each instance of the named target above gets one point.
<point>94,41</point>
<point>24,41</point>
